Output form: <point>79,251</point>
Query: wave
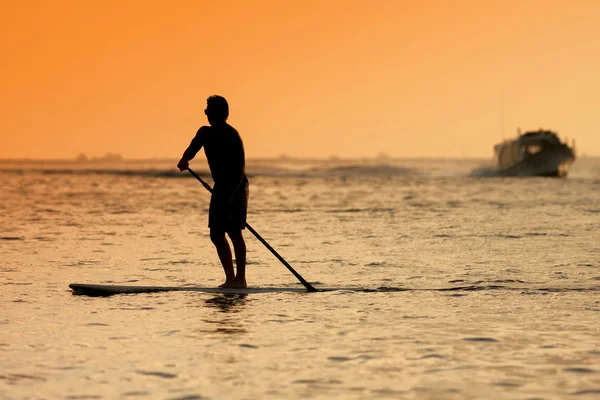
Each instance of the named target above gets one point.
<point>252,171</point>
<point>371,170</point>
<point>156,173</point>
<point>292,168</point>
<point>338,171</point>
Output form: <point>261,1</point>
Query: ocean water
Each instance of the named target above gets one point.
<point>452,285</point>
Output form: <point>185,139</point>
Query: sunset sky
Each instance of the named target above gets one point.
<point>310,78</point>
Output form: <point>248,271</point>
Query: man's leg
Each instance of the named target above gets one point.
<point>224,252</point>
<point>239,247</point>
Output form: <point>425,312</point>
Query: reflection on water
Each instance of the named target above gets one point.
<point>228,302</point>
<point>229,324</point>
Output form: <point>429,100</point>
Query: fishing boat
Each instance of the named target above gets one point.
<point>534,153</point>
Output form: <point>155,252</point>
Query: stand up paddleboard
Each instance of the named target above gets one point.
<point>109,290</point>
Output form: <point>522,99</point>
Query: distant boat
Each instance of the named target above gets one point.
<point>534,153</point>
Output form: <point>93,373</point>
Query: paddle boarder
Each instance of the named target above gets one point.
<point>225,154</point>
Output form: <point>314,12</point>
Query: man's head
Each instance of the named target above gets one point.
<point>217,109</point>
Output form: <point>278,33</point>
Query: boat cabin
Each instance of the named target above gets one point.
<point>511,152</point>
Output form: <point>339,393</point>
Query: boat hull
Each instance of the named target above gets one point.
<point>553,162</point>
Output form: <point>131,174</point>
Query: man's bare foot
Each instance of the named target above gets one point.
<point>234,284</point>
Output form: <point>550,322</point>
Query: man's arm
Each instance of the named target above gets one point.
<point>193,148</point>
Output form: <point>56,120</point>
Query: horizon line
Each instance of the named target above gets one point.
<point>94,160</point>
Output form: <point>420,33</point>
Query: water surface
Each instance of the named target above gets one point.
<point>461,286</point>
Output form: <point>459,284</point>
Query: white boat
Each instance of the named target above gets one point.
<point>534,153</point>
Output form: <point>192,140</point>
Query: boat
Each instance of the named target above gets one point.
<point>534,153</point>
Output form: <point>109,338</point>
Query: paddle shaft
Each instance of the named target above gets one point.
<point>307,285</point>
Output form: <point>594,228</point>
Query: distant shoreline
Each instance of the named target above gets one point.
<point>257,159</point>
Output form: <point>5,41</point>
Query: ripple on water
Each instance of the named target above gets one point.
<point>432,356</point>
<point>136,393</point>
<point>508,384</point>
<point>580,370</point>
<point>17,378</point>
<point>317,381</point>
<point>340,359</point>
<point>480,339</point>
<point>586,392</point>
<point>44,239</point>
<point>159,374</point>
<point>180,262</point>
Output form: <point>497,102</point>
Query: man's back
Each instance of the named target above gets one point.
<point>224,151</point>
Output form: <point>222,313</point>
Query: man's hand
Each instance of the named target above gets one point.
<point>183,164</point>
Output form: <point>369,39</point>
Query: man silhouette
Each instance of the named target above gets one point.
<point>225,154</point>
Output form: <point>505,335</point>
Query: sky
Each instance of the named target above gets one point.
<point>310,78</point>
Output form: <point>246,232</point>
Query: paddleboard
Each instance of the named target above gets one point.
<point>109,290</point>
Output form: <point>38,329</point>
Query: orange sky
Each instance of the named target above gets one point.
<point>310,78</point>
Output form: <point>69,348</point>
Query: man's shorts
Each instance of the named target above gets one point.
<point>229,214</point>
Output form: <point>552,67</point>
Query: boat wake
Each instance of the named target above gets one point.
<point>484,172</point>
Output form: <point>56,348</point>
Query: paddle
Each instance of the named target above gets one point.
<point>307,285</point>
